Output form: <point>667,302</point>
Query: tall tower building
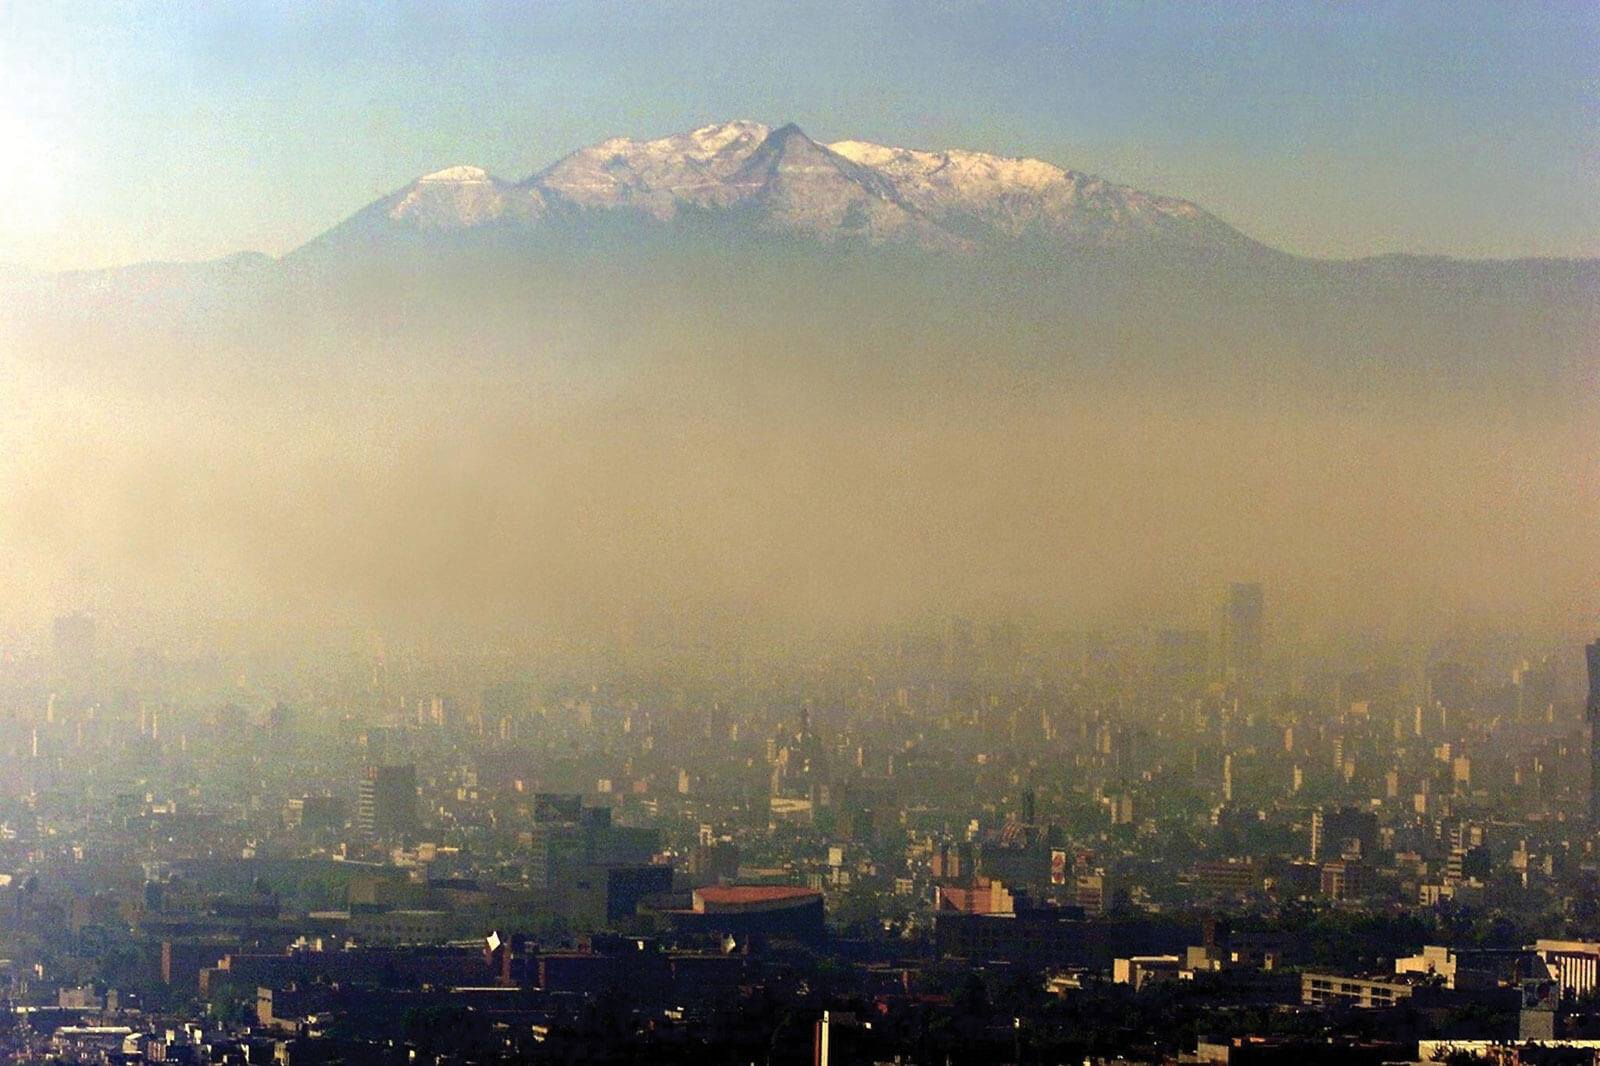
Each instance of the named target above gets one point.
<point>1244,635</point>
<point>1592,712</point>
<point>386,802</point>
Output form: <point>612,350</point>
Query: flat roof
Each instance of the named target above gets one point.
<point>734,894</point>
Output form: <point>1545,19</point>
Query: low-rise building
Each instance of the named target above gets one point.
<point>1328,990</point>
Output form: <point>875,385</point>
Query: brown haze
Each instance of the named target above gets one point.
<point>787,470</point>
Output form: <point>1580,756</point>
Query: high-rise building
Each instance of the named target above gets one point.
<point>570,838</point>
<point>555,854</point>
<point>1536,685</point>
<point>1592,712</point>
<point>713,862</point>
<point>1344,831</point>
<point>1244,635</point>
<point>386,803</point>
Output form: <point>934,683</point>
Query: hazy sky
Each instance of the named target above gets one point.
<point>134,131</point>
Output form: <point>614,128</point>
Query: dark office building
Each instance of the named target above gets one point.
<point>626,886</point>
<point>1343,830</point>
<point>710,864</point>
<point>555,853</point>
<point>557,807</point>
<point>561,847</point>
<point>386,805</point>
<point>1053,937</point>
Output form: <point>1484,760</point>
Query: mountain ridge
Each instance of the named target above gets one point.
<point>779,182</point>
<point>744,179</point>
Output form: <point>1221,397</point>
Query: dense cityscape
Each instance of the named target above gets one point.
<point>849,533</point>
<point>969,842</point>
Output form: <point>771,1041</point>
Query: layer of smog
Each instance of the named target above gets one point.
<point>516,451</point>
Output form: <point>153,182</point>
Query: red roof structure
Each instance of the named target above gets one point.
<point>751,897</point>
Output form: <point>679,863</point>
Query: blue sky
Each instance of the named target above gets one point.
<point>133,131</point>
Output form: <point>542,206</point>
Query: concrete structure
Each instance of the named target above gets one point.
<point>1327,990</point>
<point>1291,1051</point>
<point>983,896</point>
<point>1471,968</point>
<point>1575,964</point>
<point>780,911</point>
<point>1227,877</point>
<point>1496,1051</point>
<point>1140,970</point>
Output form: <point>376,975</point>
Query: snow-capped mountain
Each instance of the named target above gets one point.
<point>746,177</point>
<point>462,197</point>
<point>454,200</point>
<point>660,177</point>
<point>719,224</point>
<point>982,195</point>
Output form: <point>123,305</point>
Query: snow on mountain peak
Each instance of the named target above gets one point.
<point>952,164</point>
<point>716,137</point>
<point>759,179</point>
<point>457,175</point>
<point>1017,196</point>
<point>658,176</point>
<point>461,197</point>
